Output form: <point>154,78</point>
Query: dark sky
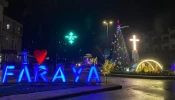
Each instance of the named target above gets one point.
<point>47,21</point>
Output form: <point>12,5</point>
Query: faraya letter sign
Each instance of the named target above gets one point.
<point>8,71</point>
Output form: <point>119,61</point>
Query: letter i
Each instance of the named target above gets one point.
<point>25,57</point>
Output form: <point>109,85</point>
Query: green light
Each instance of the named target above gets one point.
<point>71,37</point>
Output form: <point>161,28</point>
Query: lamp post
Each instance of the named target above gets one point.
<point>107,51</point>
<point>107,25</point>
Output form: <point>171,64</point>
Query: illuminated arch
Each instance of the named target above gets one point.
<point>147,61</point>
<point>150,65</point>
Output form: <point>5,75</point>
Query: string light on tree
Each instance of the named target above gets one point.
<point>120,53</point>
<point>71,37</point>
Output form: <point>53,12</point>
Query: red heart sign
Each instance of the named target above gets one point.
<point>40,55</point>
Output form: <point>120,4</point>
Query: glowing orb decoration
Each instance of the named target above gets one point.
<point>40,55</point>
<point>151,63</point>
<point>134,42</point>
<point>71,37</point>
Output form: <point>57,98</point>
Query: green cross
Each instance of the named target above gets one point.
<point>71,37</point>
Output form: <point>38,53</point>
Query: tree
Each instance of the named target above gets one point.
<point>107,68</point>
<point>120,54</point>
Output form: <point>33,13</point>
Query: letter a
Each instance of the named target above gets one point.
<point>93,69</point>
<point>24,69</point>
<point>59,70</point>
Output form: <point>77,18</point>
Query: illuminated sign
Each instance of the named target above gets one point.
<point>40,71</point>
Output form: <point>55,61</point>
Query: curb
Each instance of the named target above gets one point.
<point>145,77</point>
<point>110,88</point>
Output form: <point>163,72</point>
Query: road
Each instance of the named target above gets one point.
<point>135,89</point>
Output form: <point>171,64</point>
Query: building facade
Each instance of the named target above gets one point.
<point>11,41</point>
<point>10,38</point>
<point>3,3</point>
<point>159,46</point>
<point>11,35</point>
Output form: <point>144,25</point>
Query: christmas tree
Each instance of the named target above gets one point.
<point>120,54</point>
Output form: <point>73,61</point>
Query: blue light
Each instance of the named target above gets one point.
<point>77,72</point>
<point>25,57</point>
<point>41,74</point>
<point>24,69</point>
<point>5,73</point>
<point>59,70</point>
<point>93,69</point>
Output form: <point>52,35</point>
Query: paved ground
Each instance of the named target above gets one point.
<point>60,94</point>
<point>136,89</point>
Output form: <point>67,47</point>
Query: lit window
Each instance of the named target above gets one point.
<point>18,29</point>
<point>8,26</point>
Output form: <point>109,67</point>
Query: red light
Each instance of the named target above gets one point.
<point>40,55</point>
<point>118,21</point>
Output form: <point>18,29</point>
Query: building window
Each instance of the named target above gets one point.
<point>14,45</point>
<point>166,39</point>
<point>7,40</point>
<point>19,29</point>
<point>8,26</point>
<point>146,40</point>
<point>172,36</point>
<point>173,46</point>
<point>156,49</point>
<point>13,42</point>
<point>166,48</point>
<point>147,49</point>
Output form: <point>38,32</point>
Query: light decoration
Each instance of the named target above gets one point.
<point>173,66</point>
<point>150,65</point>
<point>79,64</point>
<point>41,71</point>
<point>77,72</point>
<point>59,71</point>
<point>71,37</point>
<point>40,55</point>
<point>134,42</point>
<point>41,74</point>
<point>149,60</point>
<point>24,57</point>
<point>119,52</point>
<point>6,73</point>
<point>90,76</point>
<point>24,69</point>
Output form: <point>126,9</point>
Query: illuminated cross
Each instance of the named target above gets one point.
<point>71,37</point>
<point>134,41</point>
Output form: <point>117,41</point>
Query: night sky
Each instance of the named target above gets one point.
<point>46,22</point>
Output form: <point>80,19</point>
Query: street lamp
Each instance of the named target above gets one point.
<point>107,24</point>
